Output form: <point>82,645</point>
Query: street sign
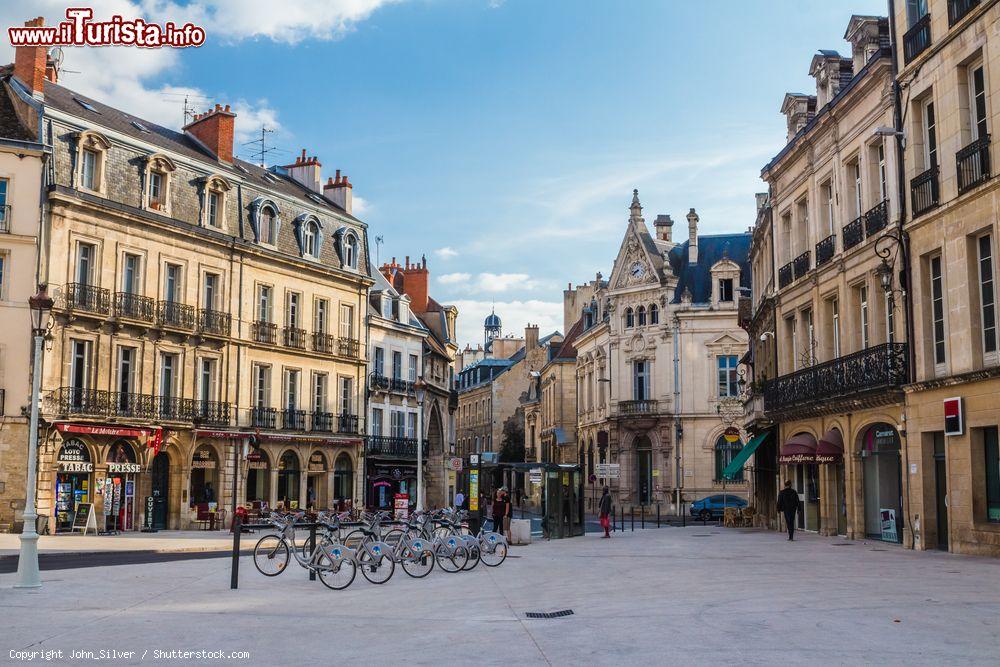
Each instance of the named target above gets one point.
<point>953,416</point>
<point>535,478</point>
<point>731,434</point>
<point>455,464</point>
<point>473,460</point>
<point>609,470</point>
<point>473,490</point>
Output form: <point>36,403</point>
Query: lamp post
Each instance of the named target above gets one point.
<point>420,389</point>
<point>887,247</point>
<point>27,562</point>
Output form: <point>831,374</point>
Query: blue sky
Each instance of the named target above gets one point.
<point>501,138</point>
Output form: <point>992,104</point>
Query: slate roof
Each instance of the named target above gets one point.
<point>10,125</point>
<point>65,100</point>
<point>711,248</point>
<point>568,348</point>
<point>542,342</point>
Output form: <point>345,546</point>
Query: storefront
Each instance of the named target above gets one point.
<point>385,480</point>
<point>119,487</point>
<point>316,480</point>
<point>882,475</point>
<point>830,456</point>
<point>258,476</point>
<point>74,482</point>
<point>343,482</point>
<point>204,476</point>
<point>288,480</point>
<point>799,454</point>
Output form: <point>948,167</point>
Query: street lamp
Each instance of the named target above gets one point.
<point>420,389</point>
<point>887,247</point>
<point>27,562</point>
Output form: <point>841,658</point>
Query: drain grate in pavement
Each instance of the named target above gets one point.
<point>842,544</point>
<point>548,614</point>
<point>702,535</point>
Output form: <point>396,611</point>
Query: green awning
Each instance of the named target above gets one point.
<point>740,459</point>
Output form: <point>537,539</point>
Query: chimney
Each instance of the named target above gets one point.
<point>306,171</point>
<point>414,281</point>
<point>30,63</point>
<point>664,228</point>
<point>338,190</point>
<point>214,129</point>
<point>692,237</point>
<point>530,337</point>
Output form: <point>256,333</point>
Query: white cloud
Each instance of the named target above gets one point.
<point>515,315</point>
<point>120,76</point>
<point>453,278</point>
<point>446,252</point>
<point>360,206</point>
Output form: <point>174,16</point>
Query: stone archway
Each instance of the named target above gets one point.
<point>435,476</point>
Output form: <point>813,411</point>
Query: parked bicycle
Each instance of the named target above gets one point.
<point>333,562</point>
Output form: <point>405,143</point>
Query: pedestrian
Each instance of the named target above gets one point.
<point>508,512</point>
<point>605,510</point>
<point>208,495</point>
<point>788,503</point>
<point>459,500</point>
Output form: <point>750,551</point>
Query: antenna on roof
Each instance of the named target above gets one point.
<point>261,146</point>
<point>378,247</point>
<point>188,107</point>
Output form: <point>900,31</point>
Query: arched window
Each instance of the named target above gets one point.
<point>629,318</point>
<point>268,225</point>
<point>310,239</point>
<point>343,478</point>
<point>204,476</point>
<point>641,315</point>
<point>258,476</point>
<point>288,479</point>
<point>351,252</point>
<point>725,452</point>
<point>654,314</point>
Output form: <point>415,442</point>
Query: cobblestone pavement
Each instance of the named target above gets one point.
<point>678,596</point>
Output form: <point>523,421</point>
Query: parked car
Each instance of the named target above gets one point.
<point>713,507</point>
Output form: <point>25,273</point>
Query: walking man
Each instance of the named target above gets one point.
<point>605,510</point>
<point>788,504</point>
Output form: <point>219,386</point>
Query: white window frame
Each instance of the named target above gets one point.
<point>864,314</point>
<point>835,316</point>
<point>929,130</point>
<point>262,385</point>
<point>987,296</point>
<point>320,392</point>
<point>974,129</point>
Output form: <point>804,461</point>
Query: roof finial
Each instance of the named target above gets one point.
<point>636,208</point>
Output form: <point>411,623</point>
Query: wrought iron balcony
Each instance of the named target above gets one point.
<point>175,315</point>
<point>347,423</point>
<point>973,163</point>
<point>135,307</point>
<point>870,376</point>
<point>5,219</point>
<point>854,232</point>
<point>293,420</point>
<point>264,332</point>
<point>645,407</point>
<point>917,39</point>
<point>785,276</point>
<point>261,417</point>
<point>88,298</point>
<point>348,347</point>
<point>924,191</point>
<point>214,322</point>
<point>172,408</point>
<point>393,384</point>
<point>294,337</point>
<point>957,9</point>
<point>323,343</point>
<point>210,413</point>
<point>128,405</point>
<point>877,218</point>
<point>801,265</point>
<point>825,249</point>
<point>322,421</point>
<point>393,447</point>
<point>84,402</point>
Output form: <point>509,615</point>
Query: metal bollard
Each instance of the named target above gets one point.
<point>631,517</point>
<point>312,542</point>
<point>234,580</point>
<point>657,515</point>
<point>642,509</point>
<point>621,512</point>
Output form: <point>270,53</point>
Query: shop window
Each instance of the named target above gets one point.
<point>343,479</point>
<point>258,476</point>
<point>204,476</point>
<point>288,480</point>
<point>992,449</point>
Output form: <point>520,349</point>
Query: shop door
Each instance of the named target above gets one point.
<point>882,475</point>
<point>644,468</point>
<point>841,486</point>
<point>941,491</point>
<point>160,485</point>
<point>812,497</point>
<point>553,505</point>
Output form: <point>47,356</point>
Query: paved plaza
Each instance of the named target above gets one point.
<point>680,596</point>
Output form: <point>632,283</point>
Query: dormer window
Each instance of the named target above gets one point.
<point>214,208</point>
<point>387,307</point>
<point>158,170</point>
<point>90,161</point>
<point>156,190</point>
<point>725,290</point>
<point>351,252</point>
<point>310,239</point>
<point>268,225</point>
<point>88,176</point>
<point>214,189</point>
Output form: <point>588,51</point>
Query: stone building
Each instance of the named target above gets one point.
<point>656,357</point>
<point>948,59</point>
<point>830,350</point>
<point>203,305</point>
<point>22,158</point>
<point>395,358</point>
<point>440,348</point>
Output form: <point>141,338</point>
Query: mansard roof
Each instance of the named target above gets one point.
<point>697,278</point>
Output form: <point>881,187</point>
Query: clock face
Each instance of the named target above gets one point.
<point>637,269</point>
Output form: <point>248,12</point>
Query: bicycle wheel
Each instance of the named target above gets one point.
<point>377,571</point>
<point>271,555</point>
<point>353,539</point>
<point>453,562</point>
<point>418,565</point>
<point>394,538</point>
<point>474,558</point>
<point>337,576</point>
<point>495,557</point>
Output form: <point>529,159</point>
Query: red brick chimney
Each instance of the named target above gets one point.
<point>214,129</point>
<point>414,281</point>
<point>340,191</point>
<point>30,62</point>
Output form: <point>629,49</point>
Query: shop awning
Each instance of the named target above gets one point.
<point>744,454</point>
<point>830,448</point>
<point>800,448</point>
